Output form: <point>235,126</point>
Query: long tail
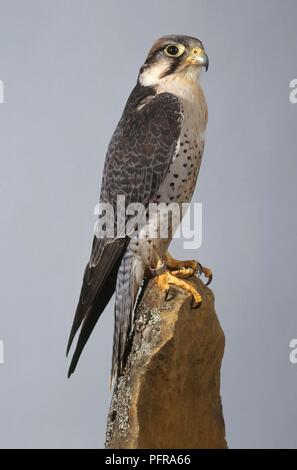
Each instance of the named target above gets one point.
<point>98,287</point>
<point>129,280</point>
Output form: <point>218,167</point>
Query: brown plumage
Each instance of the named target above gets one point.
<point>157,145</point>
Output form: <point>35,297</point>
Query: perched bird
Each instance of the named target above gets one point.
<point>154,156</point>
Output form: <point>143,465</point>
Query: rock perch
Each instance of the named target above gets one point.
<point>169,394</point>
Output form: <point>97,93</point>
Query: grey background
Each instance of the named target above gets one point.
<point>68,67</point>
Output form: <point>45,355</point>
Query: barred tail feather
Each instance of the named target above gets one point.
<point>129,280</point>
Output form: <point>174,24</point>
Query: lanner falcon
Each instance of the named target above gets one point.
<point>154,157</point>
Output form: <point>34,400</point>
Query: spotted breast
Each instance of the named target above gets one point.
<point>179,184</point>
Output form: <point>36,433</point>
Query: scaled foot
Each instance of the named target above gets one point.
<point>185,269</point>
<point>168,279</point>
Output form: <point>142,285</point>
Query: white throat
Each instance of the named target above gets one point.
<point>185,85</point>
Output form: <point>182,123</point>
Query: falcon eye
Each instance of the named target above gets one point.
<point>175,50</point>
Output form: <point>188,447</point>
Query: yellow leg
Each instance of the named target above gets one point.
<point>183,273</point>
<point>186,269</point>
<point>167,279</point>
<point>192,266</point>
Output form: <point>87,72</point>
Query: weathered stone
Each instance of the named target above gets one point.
<point>169,394</point>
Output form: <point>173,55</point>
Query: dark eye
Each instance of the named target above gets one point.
<point>172,50</point>
<point>175,50</point>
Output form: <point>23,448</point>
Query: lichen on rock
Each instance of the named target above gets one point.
<point>169,393</point>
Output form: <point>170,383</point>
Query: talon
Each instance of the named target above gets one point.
<point>207,273</point>
<point>209,280</point>
<point>169,295</point>
<point>175,265</point>
<point>195,305</point>
<point>165,280</point>
<point>158,271</point>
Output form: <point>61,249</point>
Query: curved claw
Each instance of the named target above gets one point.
<point>160,270</point>
<point>169,295</point>
<point>199,269</point>
<point>207,273</point>
<point>195,305</point>
<point>209,280</point>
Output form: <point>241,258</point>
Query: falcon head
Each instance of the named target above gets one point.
<point>173,56</point>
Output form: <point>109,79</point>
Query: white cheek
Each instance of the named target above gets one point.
<point>151,76</point>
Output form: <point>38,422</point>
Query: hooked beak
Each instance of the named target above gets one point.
<point>198,57</point>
